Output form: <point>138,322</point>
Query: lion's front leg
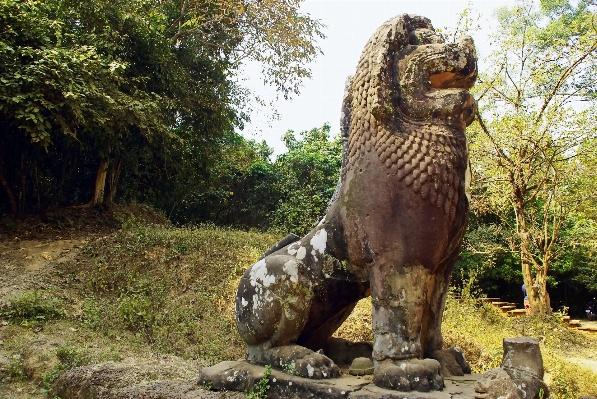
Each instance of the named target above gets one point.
<point>400,309</point>
<point>452,360</point>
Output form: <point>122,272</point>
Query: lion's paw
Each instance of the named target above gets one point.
<point>302,362</point>
<point>316,366</point>
<point>408,375</point>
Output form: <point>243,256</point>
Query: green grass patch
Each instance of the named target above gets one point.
<point>172,288</point>
<point>31,307</point>
<point>15,370</point>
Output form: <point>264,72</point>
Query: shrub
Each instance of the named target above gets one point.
<point>31,307</point>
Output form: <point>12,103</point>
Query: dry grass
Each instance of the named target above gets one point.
<point>171,287</point>
<point>153,288</point>
<point>479,330</point>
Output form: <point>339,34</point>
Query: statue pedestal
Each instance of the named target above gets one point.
<point>242,376</point>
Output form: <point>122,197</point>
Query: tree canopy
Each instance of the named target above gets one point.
<point>107,86</point>
<point>533,144</point>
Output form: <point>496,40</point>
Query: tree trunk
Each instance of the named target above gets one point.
<point>100,184</point>
<point>536,291</point>
<point>112,182</point>
<point>37,190</point>
<point>64,156</point>
<point>11,198</point>
<point>540,293</point>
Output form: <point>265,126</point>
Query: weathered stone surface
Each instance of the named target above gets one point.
<point>343,352</point>
<point>242,376</point>
<point>410,374</point>
<point>125,381</point>
<point>523,362</point>
<point>520,375</point>
<point>496,384</point>
<point>237,375</point>
<point>522,358</point>
<point>393,229</point>
<point>296,360</point>
<point>452,362</point>
<point>361,366</point>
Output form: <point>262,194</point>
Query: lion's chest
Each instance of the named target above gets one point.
<point>405,195</point>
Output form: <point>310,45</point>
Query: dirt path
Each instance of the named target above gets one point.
<point>588,357</point>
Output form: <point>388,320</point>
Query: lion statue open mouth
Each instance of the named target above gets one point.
<point>393,229</point>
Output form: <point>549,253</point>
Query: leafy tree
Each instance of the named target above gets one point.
<point>238,187</point>
<point>271,32</point>
<point>307,177</point>
<point>54,83</point>
<point>119,86</point>
<point>533,143</point>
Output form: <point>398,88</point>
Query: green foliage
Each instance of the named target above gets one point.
<point>262,386</point>
<point>55,82</point>
<point>532,147</point>
<point>31,307</point>
<point>15,370</point>
<point>308,174</point>
<point>238,187</point>
<point>95,92</point>
<point>243,187</point>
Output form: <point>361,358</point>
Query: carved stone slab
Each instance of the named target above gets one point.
<point>242,376</point>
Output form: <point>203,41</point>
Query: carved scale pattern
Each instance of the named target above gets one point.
<point>424,159</point>
<point>422,155</point>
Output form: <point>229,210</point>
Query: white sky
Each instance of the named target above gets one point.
<point>349,26</point>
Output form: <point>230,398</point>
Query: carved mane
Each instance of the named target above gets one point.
<point>420,154</point>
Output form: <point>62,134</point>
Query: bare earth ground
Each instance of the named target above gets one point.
<point>588,357</point>
<point>29,254</point>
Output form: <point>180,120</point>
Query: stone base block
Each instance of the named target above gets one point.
<point>242,376</point>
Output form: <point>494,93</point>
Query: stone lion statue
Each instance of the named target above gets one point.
<point>393,229</point>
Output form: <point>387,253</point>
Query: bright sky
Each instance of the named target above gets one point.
<point>349,23</point>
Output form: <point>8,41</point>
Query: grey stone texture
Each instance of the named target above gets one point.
<point>394,228</point>
<point>452,362</point>
<point>242,376</point>
<point>233,379</point>
<point>361,366</point>
<point>522,358</point>
<point>520,375</point>
<point>147,380</point>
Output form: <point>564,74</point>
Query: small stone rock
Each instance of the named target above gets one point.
<point>361,366</point>
<point>522,358</point>
<point>524,364</point>
<point>452,362</point>
<point>495,384</point>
